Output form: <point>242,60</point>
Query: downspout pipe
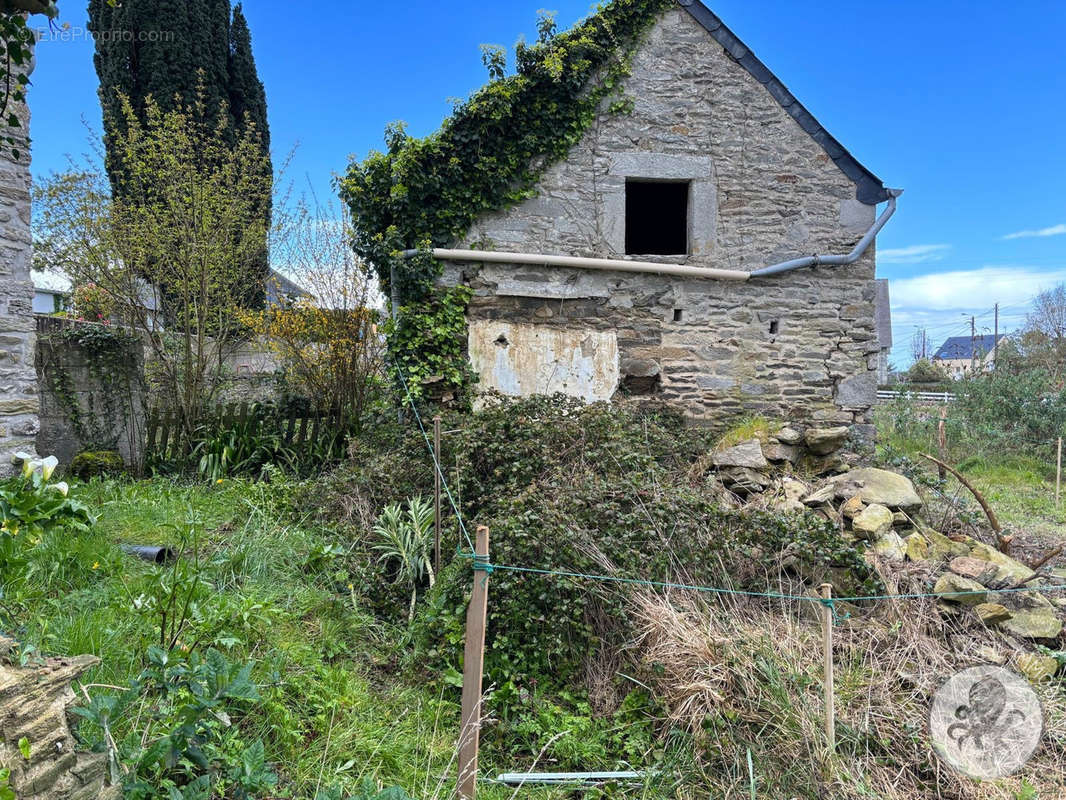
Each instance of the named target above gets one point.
<point>850,258</point>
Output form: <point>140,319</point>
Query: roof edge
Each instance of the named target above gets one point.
<point>869,189</point>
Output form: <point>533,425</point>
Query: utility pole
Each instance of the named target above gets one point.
<point>995,340</point>
<point>973,344</point>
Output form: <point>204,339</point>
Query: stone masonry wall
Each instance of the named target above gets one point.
<point>110,407</point>
<point>18,382</point>
<point>801,345</point>
<point>33,705</point>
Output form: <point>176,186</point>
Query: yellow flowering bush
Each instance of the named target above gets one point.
<point>330,355</point>
<point>327,339</point>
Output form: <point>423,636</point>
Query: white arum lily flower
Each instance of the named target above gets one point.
<point>22,456</point>
<point>61,487</point>
<point>48,466</point>
<point>32,466</point>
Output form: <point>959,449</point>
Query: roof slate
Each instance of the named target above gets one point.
<point>962,347</point>
<point>869,188</point>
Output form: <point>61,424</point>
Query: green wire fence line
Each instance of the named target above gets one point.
<point>482,564</point>
<point>433,455</point>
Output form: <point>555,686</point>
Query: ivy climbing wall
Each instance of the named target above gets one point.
<point>18,382</point>
<point>799,345</point>
<point>92,392</point>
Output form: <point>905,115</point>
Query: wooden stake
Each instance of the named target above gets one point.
<point>942,442</point>
<point>436,494</point>
<point>473,665</point>
<point>1058,474</point>
<point>827,652</point>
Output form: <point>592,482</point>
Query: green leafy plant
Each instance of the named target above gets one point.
<point>428,340</point>
<point>6,792</point>
<point>31,504</point>
<point>188,744</point>
<point>368,790</point>
<point>405,544</point>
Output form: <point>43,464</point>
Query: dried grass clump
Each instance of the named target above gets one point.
<point>747,678</point>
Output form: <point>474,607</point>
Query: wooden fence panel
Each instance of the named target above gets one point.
<point>164,438</point>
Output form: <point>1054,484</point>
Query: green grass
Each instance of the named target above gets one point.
<point>326,715</point>
<point>1019,486</point>
<point>338,705</point>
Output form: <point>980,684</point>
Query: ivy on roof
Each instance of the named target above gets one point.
<point>492,150</point>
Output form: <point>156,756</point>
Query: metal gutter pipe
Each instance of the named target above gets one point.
<point>612,264</point>
<point>850,258</point>
<point>678,270</point>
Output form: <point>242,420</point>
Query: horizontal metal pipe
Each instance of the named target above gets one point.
<point>612,264</point>
<point>678,270</point>
<point>836,260</point>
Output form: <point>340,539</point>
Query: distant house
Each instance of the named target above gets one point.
<point>51,292</point>
<point>280,291</point>
<point>961,355</point>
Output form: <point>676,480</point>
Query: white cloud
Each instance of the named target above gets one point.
<point>943,302</point>
<point>972,290</point>
<point>1054,230</point>
<point>915,254</point>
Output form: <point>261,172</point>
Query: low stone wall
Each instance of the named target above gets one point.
<point>89,406</point>
<point>33,705</point>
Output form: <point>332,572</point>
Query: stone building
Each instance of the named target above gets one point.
<point>640,266</point>
<point>18,379</point>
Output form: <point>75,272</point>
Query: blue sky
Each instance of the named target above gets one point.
<point>959,103</point>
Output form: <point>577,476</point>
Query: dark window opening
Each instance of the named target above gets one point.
<point>656,218</point>
<point>773,327</point>
<point>677,315</point>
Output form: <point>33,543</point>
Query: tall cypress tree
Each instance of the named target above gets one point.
<point>247,102</point>
<point>246,94</point>
<point>161,48</point>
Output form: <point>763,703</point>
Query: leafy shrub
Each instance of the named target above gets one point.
<point>925,371</point>
<point>592,489</point>
<point>94,303</point>
<point>96,463</point>
<point>31,504</point>
<point>186,745</point>
<point>367,791</point>
<point>225,446</point>
<point>1019,412</point>
<point>405,544</point>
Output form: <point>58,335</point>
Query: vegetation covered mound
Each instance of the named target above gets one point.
<point>595,490</point>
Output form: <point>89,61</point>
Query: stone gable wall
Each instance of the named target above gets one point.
<point>801,345</point>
